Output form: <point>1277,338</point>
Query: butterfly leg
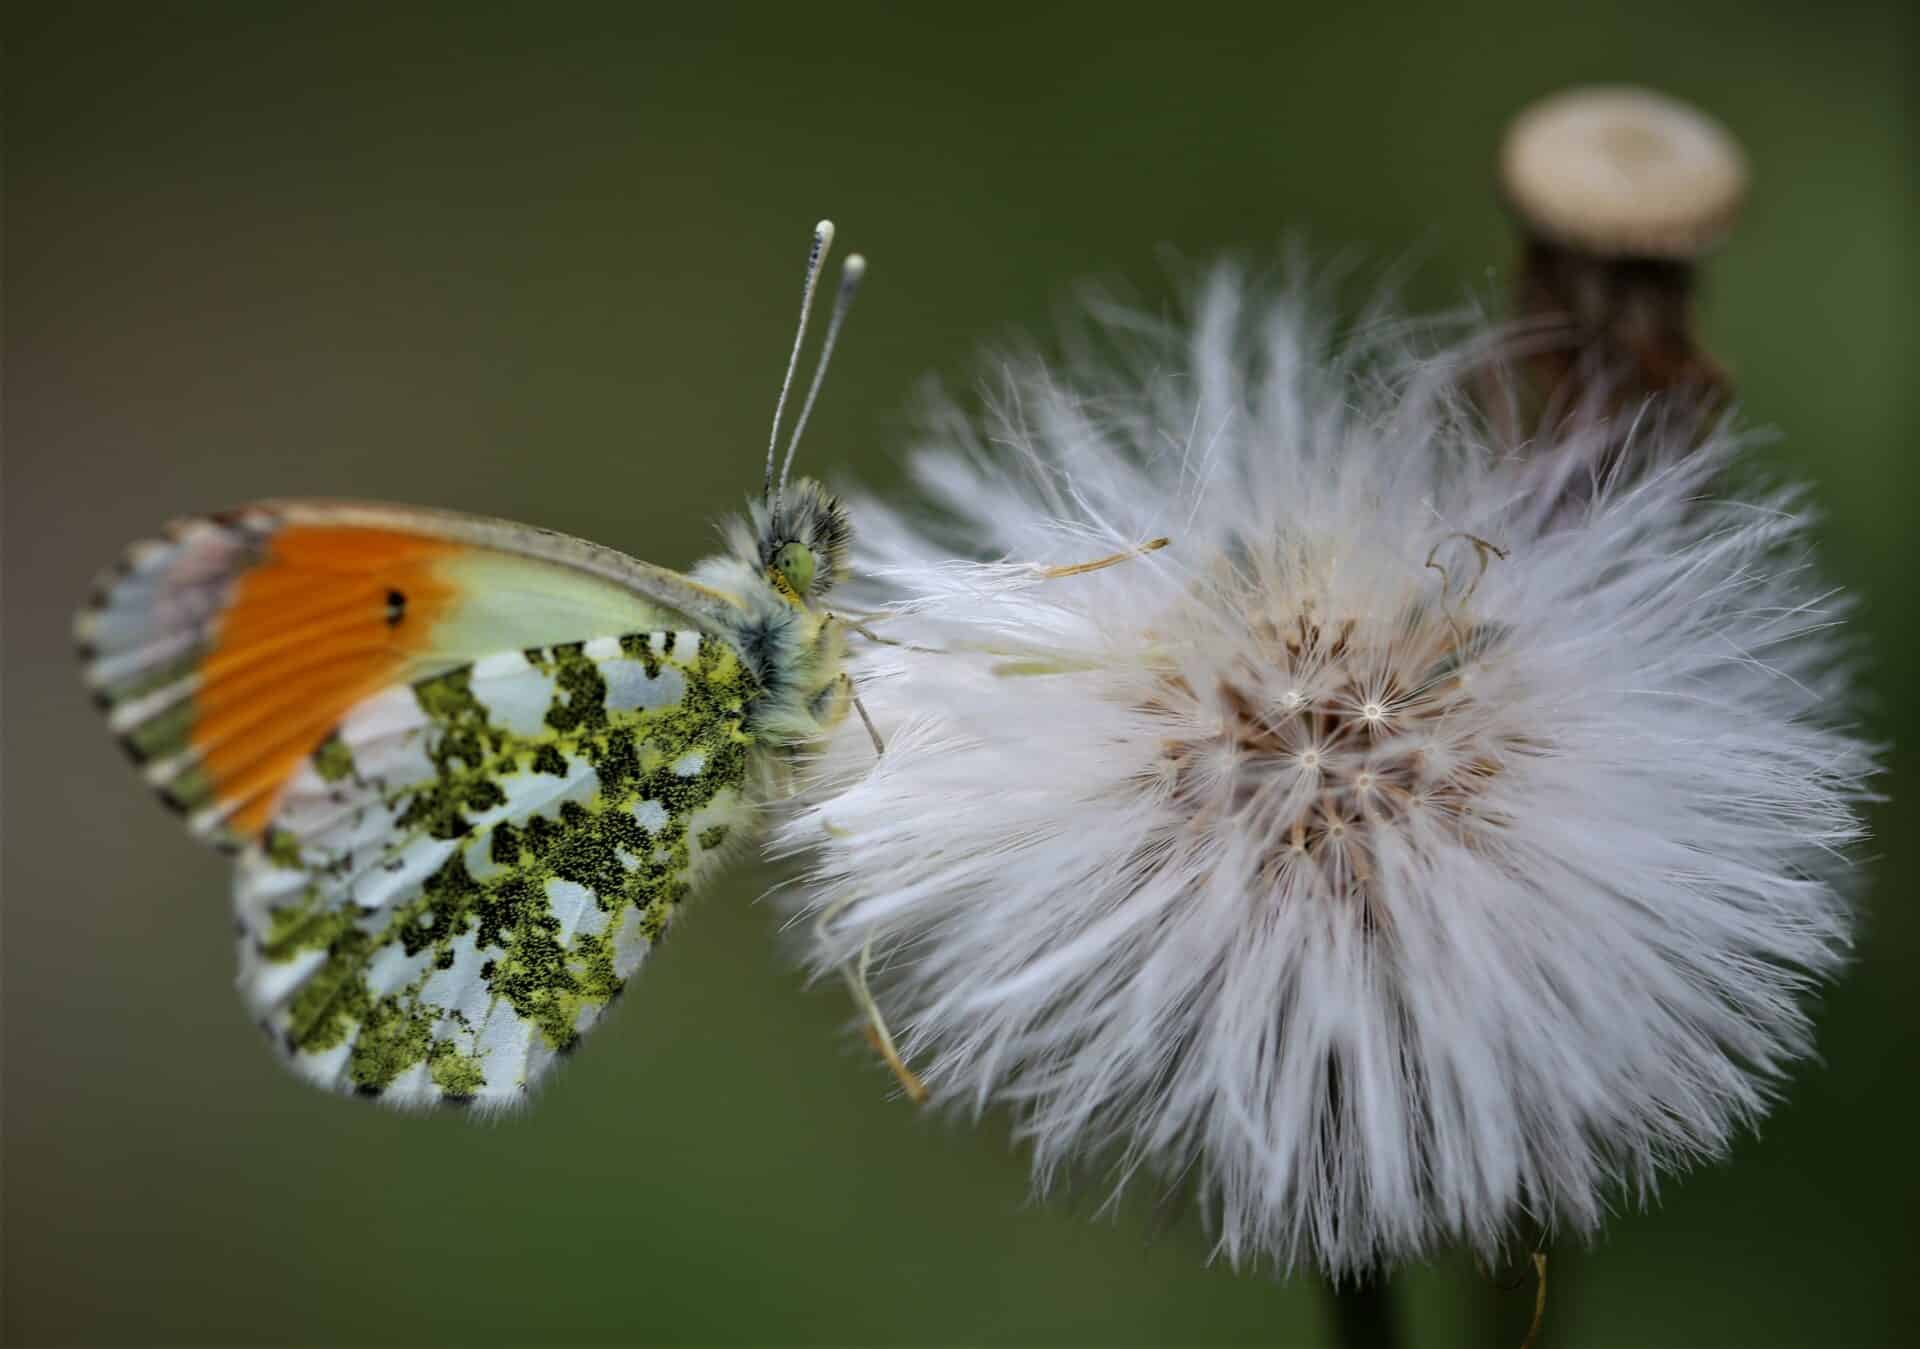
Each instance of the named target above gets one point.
<point>877,1033</point>
<point>873,732</point>
<point>859,626</point>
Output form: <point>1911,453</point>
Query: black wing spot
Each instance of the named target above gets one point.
<point>396,607</point>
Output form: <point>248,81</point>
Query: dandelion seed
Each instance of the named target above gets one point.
<point>1412,845</point>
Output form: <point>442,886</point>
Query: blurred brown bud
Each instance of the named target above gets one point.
<point>1619,192</point>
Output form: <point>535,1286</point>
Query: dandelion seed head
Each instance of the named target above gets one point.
<point>1432,835</point>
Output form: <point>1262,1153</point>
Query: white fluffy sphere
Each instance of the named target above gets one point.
<point>1426,836</point>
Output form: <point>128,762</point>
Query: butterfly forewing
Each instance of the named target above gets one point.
<point>455,884</point>
<point>224,653</point>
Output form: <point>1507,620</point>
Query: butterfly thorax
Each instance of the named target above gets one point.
<point>782,560</point>
<point>794,651</point>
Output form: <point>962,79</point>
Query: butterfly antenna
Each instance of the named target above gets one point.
<point>816,263</point>
<point>851,271</point>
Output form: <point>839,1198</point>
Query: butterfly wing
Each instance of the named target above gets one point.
<point>223,654</point>
<point>454,885</point>
<point>472,770</point>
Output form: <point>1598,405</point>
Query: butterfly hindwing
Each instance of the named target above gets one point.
<point>454,884</point>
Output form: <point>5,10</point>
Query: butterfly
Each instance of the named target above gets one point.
<point>471,770</point>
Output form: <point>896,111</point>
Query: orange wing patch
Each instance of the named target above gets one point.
<point>227,653</point>
<point>327,618</point>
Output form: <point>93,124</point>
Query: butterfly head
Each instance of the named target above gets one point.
<point>799,542</point>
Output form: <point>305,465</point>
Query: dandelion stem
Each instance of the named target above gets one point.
<point>1363,1314</point>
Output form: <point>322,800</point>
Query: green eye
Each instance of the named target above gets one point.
<point>795,562</point>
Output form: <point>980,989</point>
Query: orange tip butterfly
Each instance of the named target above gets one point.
<point>470,769</point>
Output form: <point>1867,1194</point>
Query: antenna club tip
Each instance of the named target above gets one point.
<point>824,231</point>
<point>854,267</point>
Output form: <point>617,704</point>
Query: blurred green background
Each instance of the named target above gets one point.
<point>541,262</point>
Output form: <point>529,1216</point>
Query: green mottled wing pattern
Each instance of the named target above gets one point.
<point>461,878</point>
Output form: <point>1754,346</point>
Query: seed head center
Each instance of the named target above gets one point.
<point>1327,738</point>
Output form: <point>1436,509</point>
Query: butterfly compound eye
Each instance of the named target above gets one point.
<point>795,562</point>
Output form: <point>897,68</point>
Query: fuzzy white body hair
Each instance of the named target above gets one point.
<point>794,650</point>
<point>1427,837</point>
